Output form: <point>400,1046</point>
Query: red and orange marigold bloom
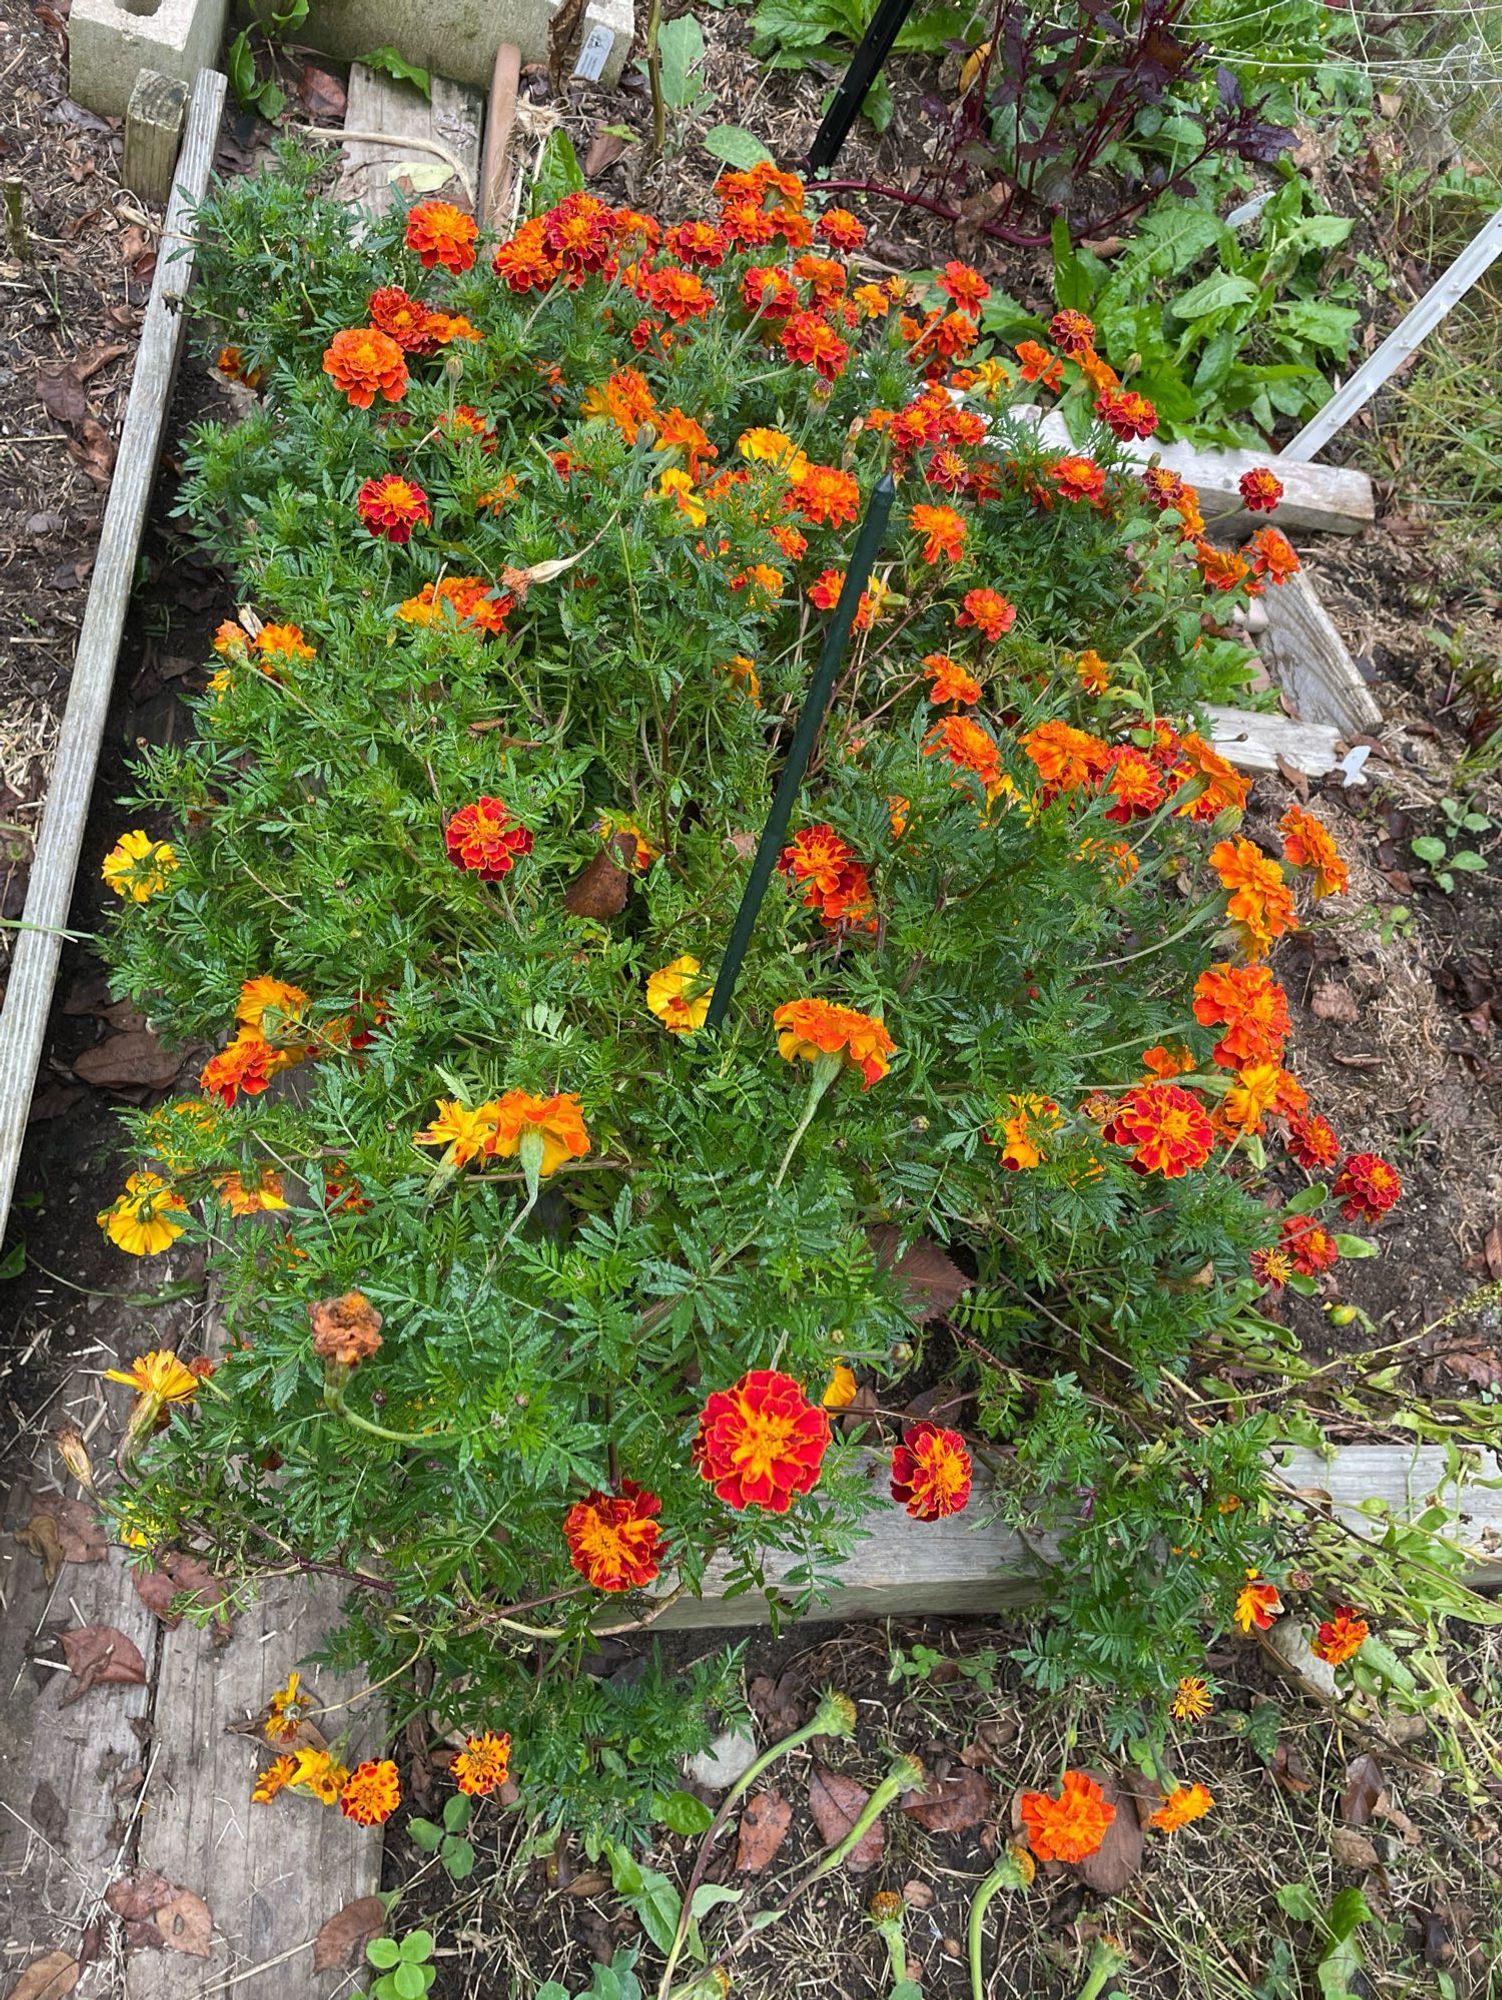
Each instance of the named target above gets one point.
<point>1220,569</point>
<point>1126,414</point>
<point>817,856</point>
<point>614,1540</point>
<point>580,231</point>
<point>371,1793</point>
<point>964,284</point>
<point>1312,1142</point>
<point>1273,556</point>
<point>1164,488</point>
<point>825,495</point>
<point>810,340</point>
<point>761,1442</point>
<point>467,600</point>
<point>525,263</point>
<point>1071,332</point>
<point>1207,784</point>
<point>967,746</point>
<point>363,361</point>
<point>950,681</point>
<point>1308,1245</point>
<point>1258,1602</point>
<point>1261,902</point>
<point>245,1068</point>
<point>930,1473</point>
<point>698,243</point>
<point>942,529</point>
<point>1366,1187</point>
<point>557,1118</point>
<point>1260,489</point>
<point>407,320</point>
<point>484,1764</point>
<point>1341,1636</point>
<point>1077,477</point>
<point>841,230</point>
<point>442,234</point>
<point>1070,1827</point>
<point>1307,843</point>
<point>989,612</point>
<point>484,838</point>
<point>391,507</point>
<point>1133,782</point>
<point>1066,758</point>
<point>678,294</point>
<point>809,1029</point>
<point>1167,1128</point>
<point>1183,1805</point>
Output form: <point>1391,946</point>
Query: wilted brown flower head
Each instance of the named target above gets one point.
<point>345,1330</point>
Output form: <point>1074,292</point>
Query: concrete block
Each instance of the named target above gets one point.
<point>111,41</point>
<point>453,38</point>
<point>609,29</point>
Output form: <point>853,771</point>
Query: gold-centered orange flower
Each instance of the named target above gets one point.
<point>1258,1602</point>
<point>761,1442</point>
<point>442,234</point>
<point>931,1472</point>
<point>363,361</point>
<point>1341,1636</point>
<point>483,1764</point>
<point>808,1029</point>
<point>556,1119</point>
<point>1070,1827</point>
<point>371,1793</point>
<point>614,1540</point>
<point>1183,1805</point>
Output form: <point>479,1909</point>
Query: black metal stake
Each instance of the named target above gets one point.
<point>815,702</point>
<point>875,47</point>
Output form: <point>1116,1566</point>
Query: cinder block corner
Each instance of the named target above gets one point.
<point>605,41</point>
<point>111,41</point>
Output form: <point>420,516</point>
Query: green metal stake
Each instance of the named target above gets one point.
<point>815,703</point>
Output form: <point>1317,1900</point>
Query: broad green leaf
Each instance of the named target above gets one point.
<point>551,1990</point>
<point>458,1858</point>
<point>410,1981</point>
<point>417,1945</point>
<point>1348,1908</point>
<point>681,1812</point>
<point>425,1834</point>
<point>1298,1900</point>
<point>456,1813</point>
<point>680,50</point>
<point>391,62</point>
<point>736,147</point>
<point>241,65</point>
<point>383,1952</point>
<point>1355,1246</point>
<point>1428,848</point>
<point>1467,860</point>
<point>1212,295</point>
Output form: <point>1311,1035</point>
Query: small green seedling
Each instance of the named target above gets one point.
<point>1440,852</point>
<point>922,1663</point>
<point>616,1981</point>
<point>448,1841</point>
<point>403,1966</point>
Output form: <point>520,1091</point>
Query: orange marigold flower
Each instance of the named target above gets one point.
<point>679,432</point>
<point>320,1774</point>
<point>1366,1187</point>
<point>698,243</point>
<point>792,541</point>
<point>270,1005</point>
<point>482,1766</point>
<point>1078,478</point>
<point>818,856</point>
<point>824,495</point>
<point>1163,487</point>
<point>614,1541</point>
<point>1126,414</point>
<point>407,320</point>
<point>1257,1602</point>
<point>989,612</point>
<point>1097,371</point>
<point>1167,1128</point>
<point>484,838</point>
<point>930,1473</point>
<point>442,234</point>
<point>245,1068</point>
<point>1220,569</point>
<point>1066,758</point>
<point>1251,1096</point>
<point>1133,781</point>
<point>466,600</point>
<point>681,295</point>
<point>1307,843</point>
<point>625,398</point>
<point>1312,1142</point>
<point>391,507</point>
<point>1184,1804</point>
<point>809,339</point>
<point>942,529</point>
<point>1071,332</point>
<point>265,1194</point>
<point>964,284</point>
<point>1308,1245</point>
<point>824,277</point>
<point>768,294</point>
<point>841,230</point>
<point>950,680</point>
<point>1208,785</point>
<point>361,361</point>
<point>1341,1636</point>
<point>525,263</point>
<point>808,1029</point>
<point>372,1791</point>
<point>967,746</point>
<point>1261,902</point>
<point>282,642</point>
<point>1070,1827</point>
<point>1274,557</point>
<point>1038,365</point>
<point>346,1331</point>
<point>1260,489</point>
<point>1166,1062</point>
<point>557,1118</point>
<point>898,809</point>
<point>278,1774</point>
<point>1092,672</point>
<point>761,1443</point>
<point>1029,1119</point>
<point>1192,1700</point>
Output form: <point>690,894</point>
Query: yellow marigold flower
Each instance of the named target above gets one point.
<point>282,642</point>
<point>159,1374</point>
<point>242,1200</point>
<point>371,1793</point>
<point>279,1773</point>
<point>679,996</point>
<point>991,378</point>
<point>1258,1602</point>
<point>1092,672</point>
<point>464,1131</point>
<point>764,446</point>
<point>1183,1804</point>
<point>556,1119</point>
<point>744,679</point>
<point>143,1220</point>
<point>482,1765</point>
<point>319,1773</point>
<point>678,487</point>
<point>264,995</point>
<point>285,1710</point>
<point>138,866</point>
<point>1192,1700</point>
<point>840,1393</point>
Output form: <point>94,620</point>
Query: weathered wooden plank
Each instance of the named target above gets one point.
<point>1256,742</point>
<point>500,119</point>
<point>908,1568</point>
<point>387,123</point>
<point>153,127</point>
<point>1333,498</point>
<point>1310,661</point>
<point>271,1874</point>
<point>39,941</point>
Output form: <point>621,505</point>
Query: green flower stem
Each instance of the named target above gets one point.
<point>1106,1960</point>
<point>826,1069</point>
<point>906,1775</point>
<point>1011,1872</point>
<point>334,1400</point>
<point>835,1716</point>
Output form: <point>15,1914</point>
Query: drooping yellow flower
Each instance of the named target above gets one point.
<point>318,1773</point>
<point>159,1374</point>
<point>679,996</point>
<point>764,446</point>
<point>840,1393</point>
<point>138,866</point>
<point>464,1131</point>
<point>143,1220</point>
<point>255,1199</point>
<point>279,1772</point>
<point>678,487</point>
<point>264,995</point>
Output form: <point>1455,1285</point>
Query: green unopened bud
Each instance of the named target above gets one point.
<point>1342,1315</point>
<point>835,1715</point>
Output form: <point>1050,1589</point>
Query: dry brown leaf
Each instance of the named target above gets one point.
<point>599,890</point>
<point>92,448</point>
<point>99,1656</point>
<point>1350,1849</point>
<point>1290,1772</point>
<point>182,1576</point>
<point>1362,1795</point>
<point>51,1977</point>
<point>836,1804</point>
<point>589,1882</point>
<point>917,1895</point>
<point>341,1942</point>
<point>41,1537</point>
<point>61,395</point>
<point>1331,1001</point>
<point>992,1739</point>
<point>186,1924</point>
<point>322,95</point>
<point>605,148</point>
<point>953,1805</point>
<point>48,1814</point>
<point>128,1061</point>
<point>931,1280</point>
<point>764,1827</point>
<point>79,1535</point>
<point>1118,1858</point>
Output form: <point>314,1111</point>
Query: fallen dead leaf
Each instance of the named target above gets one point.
<point>80,1537</point>
<point>175,1577</point>
<point>322,95</point>
<point>1362,1794</point>
<point>1350,1849</point>
<point>100,1656</point>
<point>128,1061</point>
<point>953,1805</point>
<point>1290,1772</point>
<point>41,1537</point>
<point>1331,1001</point>
<point>61,395</point>
<point>186,1924</point>
<point>764,1827</point>
<point>779,1706</point>
<point>931,1280</point>
<point>599,890</point>
<point>836,1804</point>
<point>92,449</point>
<point>341,1942</point>
<point>48,1814</point>
<point>992,1738</point>
<point>1118,1858</point>
<point>52,1977</point>
<point>605,148</point>
<point>917,1895</point>
<point>589,1882</point>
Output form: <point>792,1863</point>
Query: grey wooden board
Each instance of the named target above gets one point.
<point>908,1568</point>
<point>271,1874</point>
<point>1255,742</point>
<point>1329,497</point>
<point>33,971</point>
<point>1310,661</point>
<point>379,104</point>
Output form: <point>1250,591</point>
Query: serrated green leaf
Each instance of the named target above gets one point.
<point>391,62</point>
